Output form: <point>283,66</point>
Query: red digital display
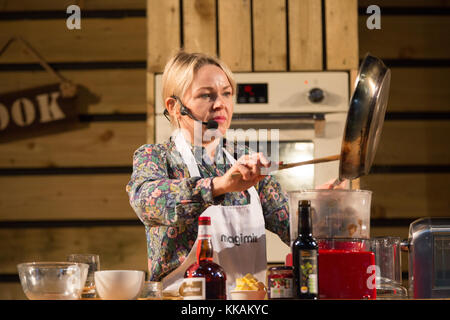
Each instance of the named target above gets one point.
<point>252,93</point>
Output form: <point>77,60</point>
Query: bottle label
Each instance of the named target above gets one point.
<point>203,232</point>
<point>193,289</point>
<point>281,288</point>
<point>308,280</point>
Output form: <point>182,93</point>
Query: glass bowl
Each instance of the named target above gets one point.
<point>53,280</point>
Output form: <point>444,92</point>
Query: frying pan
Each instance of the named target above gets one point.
<point>365,118</point>
<point>364,122</point>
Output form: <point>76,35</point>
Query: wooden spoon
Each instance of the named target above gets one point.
<point>296,164</point>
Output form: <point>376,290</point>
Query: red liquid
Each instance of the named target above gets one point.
<point>215,279</point>
<point>344,275</point>
<point>343,270</point>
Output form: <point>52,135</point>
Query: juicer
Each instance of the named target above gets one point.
<point>341,225</point>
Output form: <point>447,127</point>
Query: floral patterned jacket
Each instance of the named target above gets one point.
<point>168,201</point>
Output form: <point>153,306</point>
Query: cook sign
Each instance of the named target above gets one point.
<point>35,108</point>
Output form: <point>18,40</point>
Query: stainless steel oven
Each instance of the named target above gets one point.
<point>304,115</point>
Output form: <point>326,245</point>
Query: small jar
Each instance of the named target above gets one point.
<point>280,281</point>
<point>151,291</point>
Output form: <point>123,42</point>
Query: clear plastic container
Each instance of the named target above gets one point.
<point>389,271</point>
<point>336,214</point>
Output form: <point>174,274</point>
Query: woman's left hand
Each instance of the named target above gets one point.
<point>330,185</point>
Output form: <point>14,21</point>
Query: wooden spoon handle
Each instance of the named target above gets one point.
<point>296,164</point>
<point>318,160</point>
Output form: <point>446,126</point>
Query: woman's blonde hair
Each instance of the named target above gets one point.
<point>180,70</point>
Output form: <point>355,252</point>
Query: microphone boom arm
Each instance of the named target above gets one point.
<point>210,124</point>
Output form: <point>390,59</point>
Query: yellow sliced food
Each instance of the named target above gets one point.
<point>243,287</point>
<point>249,282</point>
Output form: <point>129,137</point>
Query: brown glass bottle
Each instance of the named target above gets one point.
<point>305,255</point>
<point>204,279</point>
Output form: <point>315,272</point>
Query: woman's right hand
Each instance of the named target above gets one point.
<point>249,169</point>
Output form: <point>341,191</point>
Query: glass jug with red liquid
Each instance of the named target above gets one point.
<point>341,225</point>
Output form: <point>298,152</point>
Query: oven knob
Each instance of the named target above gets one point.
<point>316,95</point>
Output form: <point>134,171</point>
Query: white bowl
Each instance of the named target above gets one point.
<point>53,280</point>
<point>248,294</point>
<point>119,284</point>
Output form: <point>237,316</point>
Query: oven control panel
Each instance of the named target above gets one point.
<point>291,92</point>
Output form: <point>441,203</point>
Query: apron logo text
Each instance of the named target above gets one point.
<point>238,240</point>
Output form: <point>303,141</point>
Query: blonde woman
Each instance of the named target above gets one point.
<point>170,187</point>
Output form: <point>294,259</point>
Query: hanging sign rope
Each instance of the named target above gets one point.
<point>25,112</point>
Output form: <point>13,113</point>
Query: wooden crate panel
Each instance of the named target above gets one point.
<point>413,143</point>
<point>123,247</point>
<point>408,195</point>
<point>235,44</point>
<point>269,35</point>
<point>98,40</point>
<point>199,26</point>
<point>419,89</point>
<point>163,19</point>
<point>305,35</point>
<point>65,197</point>
<point>44,5</point>
<point>94,144</point>
<point>341,20</point>
<point>406,37</point>
<point>100,91</point>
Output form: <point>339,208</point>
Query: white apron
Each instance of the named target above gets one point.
<point>238,234</point>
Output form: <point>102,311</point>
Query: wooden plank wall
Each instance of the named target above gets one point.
<point>65,193</point>
<point>411,176</point>
<point>55,200</point>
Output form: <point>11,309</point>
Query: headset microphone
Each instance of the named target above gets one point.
<point>184,111</point>
<point>211,124</point>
